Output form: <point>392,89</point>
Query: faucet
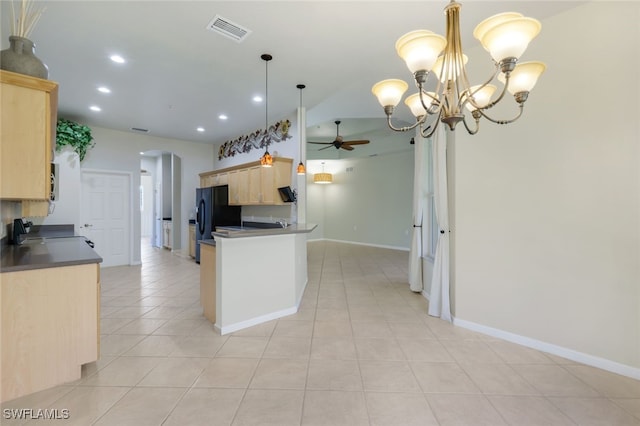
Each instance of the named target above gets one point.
<point>282,223</point>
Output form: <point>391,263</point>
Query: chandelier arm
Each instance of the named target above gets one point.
<point>480,87</point>
<point>433,127</point>
<point>503,121</point>
<point>406,128</point>
<point>469,130</point>
<point>429,109</point>
<point>504,91</point>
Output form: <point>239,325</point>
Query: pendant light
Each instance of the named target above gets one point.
<point>301,169</point>
<point>323,178</point>
<point>266,160</point>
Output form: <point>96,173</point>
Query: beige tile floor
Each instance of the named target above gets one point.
<point>361,351</point>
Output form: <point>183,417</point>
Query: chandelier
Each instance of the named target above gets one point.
<point>505,36</point>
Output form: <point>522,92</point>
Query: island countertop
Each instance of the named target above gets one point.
<point>47,253</point>
<point>243,232</point>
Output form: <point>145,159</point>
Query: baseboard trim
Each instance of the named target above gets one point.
<point>593,361</point>
<point>358,243</point>
<point>262,318</point>
<point>255,321</point>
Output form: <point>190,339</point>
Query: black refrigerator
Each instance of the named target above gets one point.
<point>213,209</point>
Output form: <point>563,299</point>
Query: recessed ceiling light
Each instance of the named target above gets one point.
<point>141,153</point>
<point>117,59</point>
<point>103,89</point>
<point>95,108</point>
<point>222,117</point>
<point>257,98</point>
<point>200,129</point>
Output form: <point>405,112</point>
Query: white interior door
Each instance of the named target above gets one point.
<point>106,215</point>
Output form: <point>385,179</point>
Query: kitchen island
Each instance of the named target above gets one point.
<point>249,276</point>
<point>50,319</point>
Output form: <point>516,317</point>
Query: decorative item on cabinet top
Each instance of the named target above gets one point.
<point>20,56</point>
<point>277,132</point>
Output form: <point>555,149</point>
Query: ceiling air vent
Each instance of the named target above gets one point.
<point>229,29</point>
<point>139,129</point>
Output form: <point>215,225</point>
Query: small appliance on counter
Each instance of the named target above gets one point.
<point>20,227</point>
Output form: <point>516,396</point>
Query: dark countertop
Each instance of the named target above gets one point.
<point>39,253</point>
<point>244,231</point>
<point>211,242</point>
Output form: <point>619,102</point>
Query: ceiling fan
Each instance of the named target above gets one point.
<point>339,142</point>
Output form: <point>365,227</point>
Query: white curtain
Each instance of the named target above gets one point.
<point>419,184</point>
<point>439,303</point>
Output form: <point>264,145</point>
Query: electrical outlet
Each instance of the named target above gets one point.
<point>355,228</point>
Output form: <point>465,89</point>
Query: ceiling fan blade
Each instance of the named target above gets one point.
<point>347,147</point>
<point>326,147</point>
<point>359,142</point>
<point>321,143</point>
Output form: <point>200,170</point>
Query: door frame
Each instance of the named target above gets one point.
<point>129,176</point>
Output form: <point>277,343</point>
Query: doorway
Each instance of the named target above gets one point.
<point>160,199</point>
<point>105,214</point>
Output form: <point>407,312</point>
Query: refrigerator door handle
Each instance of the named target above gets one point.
<point>200,217</point>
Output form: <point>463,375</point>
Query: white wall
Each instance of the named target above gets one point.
<point>370,204</point>
<point>547,210</point>
<point>116,150</point>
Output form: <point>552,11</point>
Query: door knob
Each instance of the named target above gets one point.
<point>87,225</point>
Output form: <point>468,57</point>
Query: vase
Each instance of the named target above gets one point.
<point>20,58</point>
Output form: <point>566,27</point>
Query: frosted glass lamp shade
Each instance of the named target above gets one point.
<point>389,92</point>
<point>482,97</point>
<point>484,26</point>
<point>524,76</point>
<point>414,104</point>
<point>420,49</point>
<point>510,38</point>
<point>452,72</point>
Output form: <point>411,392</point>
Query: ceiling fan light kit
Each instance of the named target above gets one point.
<point>339,142</point>
<point>505,36</point>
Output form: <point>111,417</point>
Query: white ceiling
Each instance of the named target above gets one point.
<point>179,75</point>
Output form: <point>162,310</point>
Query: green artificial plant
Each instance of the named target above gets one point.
<point>77,136</point>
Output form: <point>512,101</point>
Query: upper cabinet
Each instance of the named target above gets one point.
<point>27,136</point>
<point>252,184</point>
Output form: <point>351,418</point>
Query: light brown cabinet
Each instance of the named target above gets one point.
<point>239,187</point>
<point>251,184</point>
<point>50,326</point>
<point>208,281</point>
<point>192,241</point>
<point>27,136</point>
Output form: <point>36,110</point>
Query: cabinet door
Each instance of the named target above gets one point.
<point>239,187</point>
<point>255,184</point>
<point>266,185</point>
<point>222,179</point>
<point>27,134</point>
<point>234,199</point>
